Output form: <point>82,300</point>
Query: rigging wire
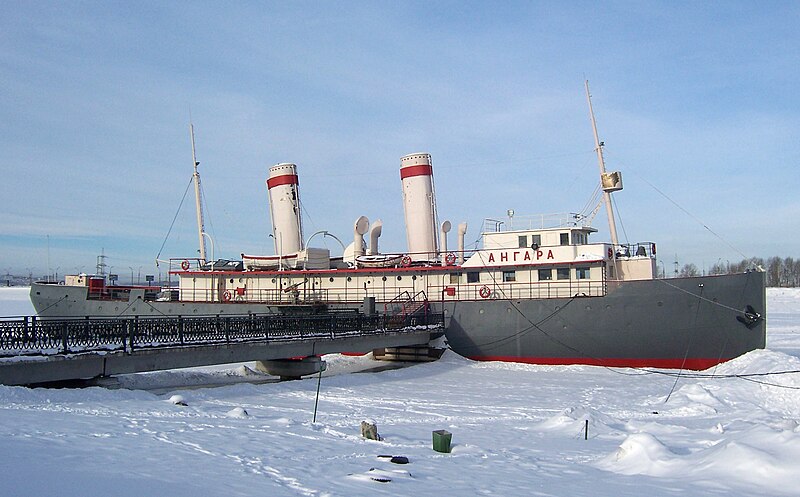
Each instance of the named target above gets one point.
<point>208,216</point>
<point>173,219</point>
<point>695,218</point>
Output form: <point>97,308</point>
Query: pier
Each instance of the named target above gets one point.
<point>35,350</point>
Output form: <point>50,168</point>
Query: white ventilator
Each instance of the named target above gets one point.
<point>443,241</point>
<point>419,204</point>
<point>284,208</point>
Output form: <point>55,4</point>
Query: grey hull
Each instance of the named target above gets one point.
<point>691,323</point>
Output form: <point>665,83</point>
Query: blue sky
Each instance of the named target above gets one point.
<point>696,99</point>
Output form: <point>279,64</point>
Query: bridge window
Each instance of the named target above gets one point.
<point>537,241</point>
<point>564,238</point>
<point>509,276</point>
<point>582,273</point>
<point>523,241</point>
<point>545,274</point>
<point>455,278</point>
<point>562,273</point>
<point>473,277</point>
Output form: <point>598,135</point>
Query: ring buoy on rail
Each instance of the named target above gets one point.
<point>450,259</point>
<point>405,261</point>
<point>484,292</point>
<point>185,265</point>
<point>226,296</point>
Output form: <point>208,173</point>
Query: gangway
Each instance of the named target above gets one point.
<point>35,350</point>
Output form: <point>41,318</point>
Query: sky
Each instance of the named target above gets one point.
<point>695,101</point>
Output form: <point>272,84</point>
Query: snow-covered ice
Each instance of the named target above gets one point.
<point>517,429</point>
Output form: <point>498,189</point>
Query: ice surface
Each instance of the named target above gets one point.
<point>517,429</point>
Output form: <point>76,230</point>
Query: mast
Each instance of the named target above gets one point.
<point>197,200</point>
<point>612,226</point>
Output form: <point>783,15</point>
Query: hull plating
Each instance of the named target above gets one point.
<point>691,323</point>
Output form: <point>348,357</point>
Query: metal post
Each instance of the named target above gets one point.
<point>64,332</point>
<point>316,399</point>
<point>180,329</point>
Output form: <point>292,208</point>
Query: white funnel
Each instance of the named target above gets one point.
<point>419,204</point>
<point>284,208</point>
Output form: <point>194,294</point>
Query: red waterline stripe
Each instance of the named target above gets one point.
<point>697,364</point>
<point>421,170</point>
<point>284,179</point>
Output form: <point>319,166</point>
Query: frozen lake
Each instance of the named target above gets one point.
<point>517,429</point>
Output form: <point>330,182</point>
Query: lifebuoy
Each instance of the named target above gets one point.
<point>610,253</point>
<point>185,265</point>
<point>450,259</point>
<point>484,292</point>
<point>405,261</point>
<point>226,296</point>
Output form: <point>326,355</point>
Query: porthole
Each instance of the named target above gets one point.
<point>414,277</point>
<point>399,278</point>
<point>384,278</point>
<point>660,304</point>
<point>349,278</point>
<point>231,280</point>
<point>273,280</point>
<point>330,279</point>
<point>480,311</point>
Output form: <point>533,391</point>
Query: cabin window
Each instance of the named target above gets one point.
<point>473,277</point>
<point>562,273</point>
<point>509,276</point>
<point>455,278</point>
<point>545,274</point>
<point>564,238</point>
<point>537,241</point>
<point>523,241</point>
<point>582,273</point>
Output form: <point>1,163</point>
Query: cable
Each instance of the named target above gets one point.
<point>173,219</point>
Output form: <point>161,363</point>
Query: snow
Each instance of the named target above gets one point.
<point>517,429</point>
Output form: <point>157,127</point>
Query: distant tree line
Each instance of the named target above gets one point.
<point>781,272</point>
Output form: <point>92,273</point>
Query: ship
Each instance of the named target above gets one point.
<point>535,289</point>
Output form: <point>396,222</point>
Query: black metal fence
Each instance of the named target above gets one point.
<point>34,336</point>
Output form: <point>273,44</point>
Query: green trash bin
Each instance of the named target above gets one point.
<point>441,441</point>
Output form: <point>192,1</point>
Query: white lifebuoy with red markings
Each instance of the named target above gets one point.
<point>226,296</point>
<point>450,259</point>
<point>484,292</point>
<point>185,265</point>
<point>405,261</point>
